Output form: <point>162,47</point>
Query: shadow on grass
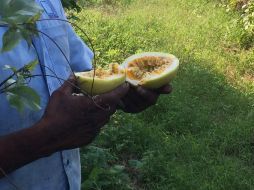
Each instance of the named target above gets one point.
<point>199,137</point>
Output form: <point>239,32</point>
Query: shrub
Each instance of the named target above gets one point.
<point>246,19</point>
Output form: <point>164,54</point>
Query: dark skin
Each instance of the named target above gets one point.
<point>70,122</point>
<point>138,98</point>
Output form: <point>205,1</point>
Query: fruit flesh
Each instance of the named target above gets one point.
<point>151,70</point>
<point>146,67</point>
<point>103,81</point>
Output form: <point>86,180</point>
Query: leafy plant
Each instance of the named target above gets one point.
<point>100,170</point>
<point>245,8</point>
<point>248,17</point>
<point>19,17</point>
<point>15,86</point>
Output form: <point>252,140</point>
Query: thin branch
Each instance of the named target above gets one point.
<point>40,75</point>
<point>106,108</point>
<point>89,40</point>
<point>12,75</point>
<point>53,72</point>
<point>90,96</point>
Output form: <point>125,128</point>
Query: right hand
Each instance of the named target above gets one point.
<point>74,121</point>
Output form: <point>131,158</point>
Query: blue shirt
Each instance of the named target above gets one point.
<point>61,170</point>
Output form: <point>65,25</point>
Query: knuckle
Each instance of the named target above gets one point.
<point>59,95</point>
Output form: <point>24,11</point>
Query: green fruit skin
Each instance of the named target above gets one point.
<point>100,86</point>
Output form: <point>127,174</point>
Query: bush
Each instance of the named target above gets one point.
<point>248,16</point>
<point>246,19</point>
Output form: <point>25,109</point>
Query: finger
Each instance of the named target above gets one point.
<point>68,86</point>
<point>166,89</point>
<point>102,124</point>
<point>148,95</point>
<point>114,96</point>
<point>130,107</point>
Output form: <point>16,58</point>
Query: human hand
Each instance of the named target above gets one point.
<point>138,98</point>
<point>75,121</point>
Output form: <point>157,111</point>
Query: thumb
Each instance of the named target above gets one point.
<point>69,85</point>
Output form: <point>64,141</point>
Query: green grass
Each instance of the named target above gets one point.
<point>199,137</point>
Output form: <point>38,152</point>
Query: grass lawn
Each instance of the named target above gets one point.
<point>199,137</point>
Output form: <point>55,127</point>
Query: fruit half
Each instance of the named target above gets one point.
<point>150,69</point>
<point>103,81</point>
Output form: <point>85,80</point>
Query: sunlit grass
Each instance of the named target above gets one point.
<point>199,136</point>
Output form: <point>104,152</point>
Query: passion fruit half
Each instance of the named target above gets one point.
<point>104,80</point>
<point>151,69</point>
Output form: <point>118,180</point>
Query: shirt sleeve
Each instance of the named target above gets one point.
<point>80,54</point>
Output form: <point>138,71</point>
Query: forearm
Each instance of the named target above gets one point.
<point>23,147</point>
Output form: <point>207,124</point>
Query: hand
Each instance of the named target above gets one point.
<point>68,122</point>
<point>76,120</point>
<point>138,98</point>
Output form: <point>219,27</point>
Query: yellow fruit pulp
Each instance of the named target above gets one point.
<point>103,81</point>
<point>151,69</point>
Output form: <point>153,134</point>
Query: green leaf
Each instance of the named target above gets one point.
<point>23,96</point>
<point>3,7</point>
<point>9,67</point>
<point>34,18</point>
<point>10,39</point>
<point>15,101</point>
<point>116,169</point>
<point>27,32</point>
<point>30,66</point>
<point>15,13</point>
<point>21,7</point>
<point>136,164</point>
<point>10,81</point>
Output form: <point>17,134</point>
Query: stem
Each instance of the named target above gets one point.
<point>14,73</point>
<point>94,65</point>
<point>40,75</point>
<point>107,108</point>
<point>59,78</point>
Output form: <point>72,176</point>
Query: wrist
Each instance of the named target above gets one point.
<point>23,147</point>
<point>45,131</point>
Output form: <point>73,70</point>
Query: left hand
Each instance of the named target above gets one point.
<point>138,98</point>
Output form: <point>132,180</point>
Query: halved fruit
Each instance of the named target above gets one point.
<point>103,81</point>
<point>151,69</point>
